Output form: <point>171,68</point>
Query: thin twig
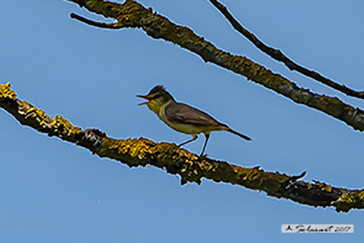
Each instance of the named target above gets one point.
<point>94,23</point>
<point>279,56</point>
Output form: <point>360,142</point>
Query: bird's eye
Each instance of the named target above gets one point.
<point>156,96</point>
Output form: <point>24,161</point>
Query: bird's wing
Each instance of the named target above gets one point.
<point>182,113</point>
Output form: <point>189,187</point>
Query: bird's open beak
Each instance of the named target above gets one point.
<point>144,97</point>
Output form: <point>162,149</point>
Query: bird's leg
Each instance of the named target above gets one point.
<point>207,135</point>
<point>193,139</point>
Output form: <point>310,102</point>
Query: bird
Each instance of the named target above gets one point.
<point>183,118</point>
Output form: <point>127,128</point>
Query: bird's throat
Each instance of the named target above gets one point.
<point>157,108</point>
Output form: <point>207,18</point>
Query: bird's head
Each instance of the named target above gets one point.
<point>156,98</point>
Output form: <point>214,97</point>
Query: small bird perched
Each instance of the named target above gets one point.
<point>183,118</point>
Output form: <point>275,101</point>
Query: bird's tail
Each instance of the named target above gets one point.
<point>239,134</point>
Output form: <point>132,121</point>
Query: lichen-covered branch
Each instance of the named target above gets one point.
<point>191,168</point>
<point>133,14</point>
<point>279,56</point>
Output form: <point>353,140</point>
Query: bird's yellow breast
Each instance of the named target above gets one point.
<point>180,127</point>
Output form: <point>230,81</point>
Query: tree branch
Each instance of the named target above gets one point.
<point>191,168</point>
<point>132,14</point>
<point>279,56</point>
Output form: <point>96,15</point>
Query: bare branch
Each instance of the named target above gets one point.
<point>279,56</point>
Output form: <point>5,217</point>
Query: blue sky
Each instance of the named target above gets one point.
<point>53,191</point>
